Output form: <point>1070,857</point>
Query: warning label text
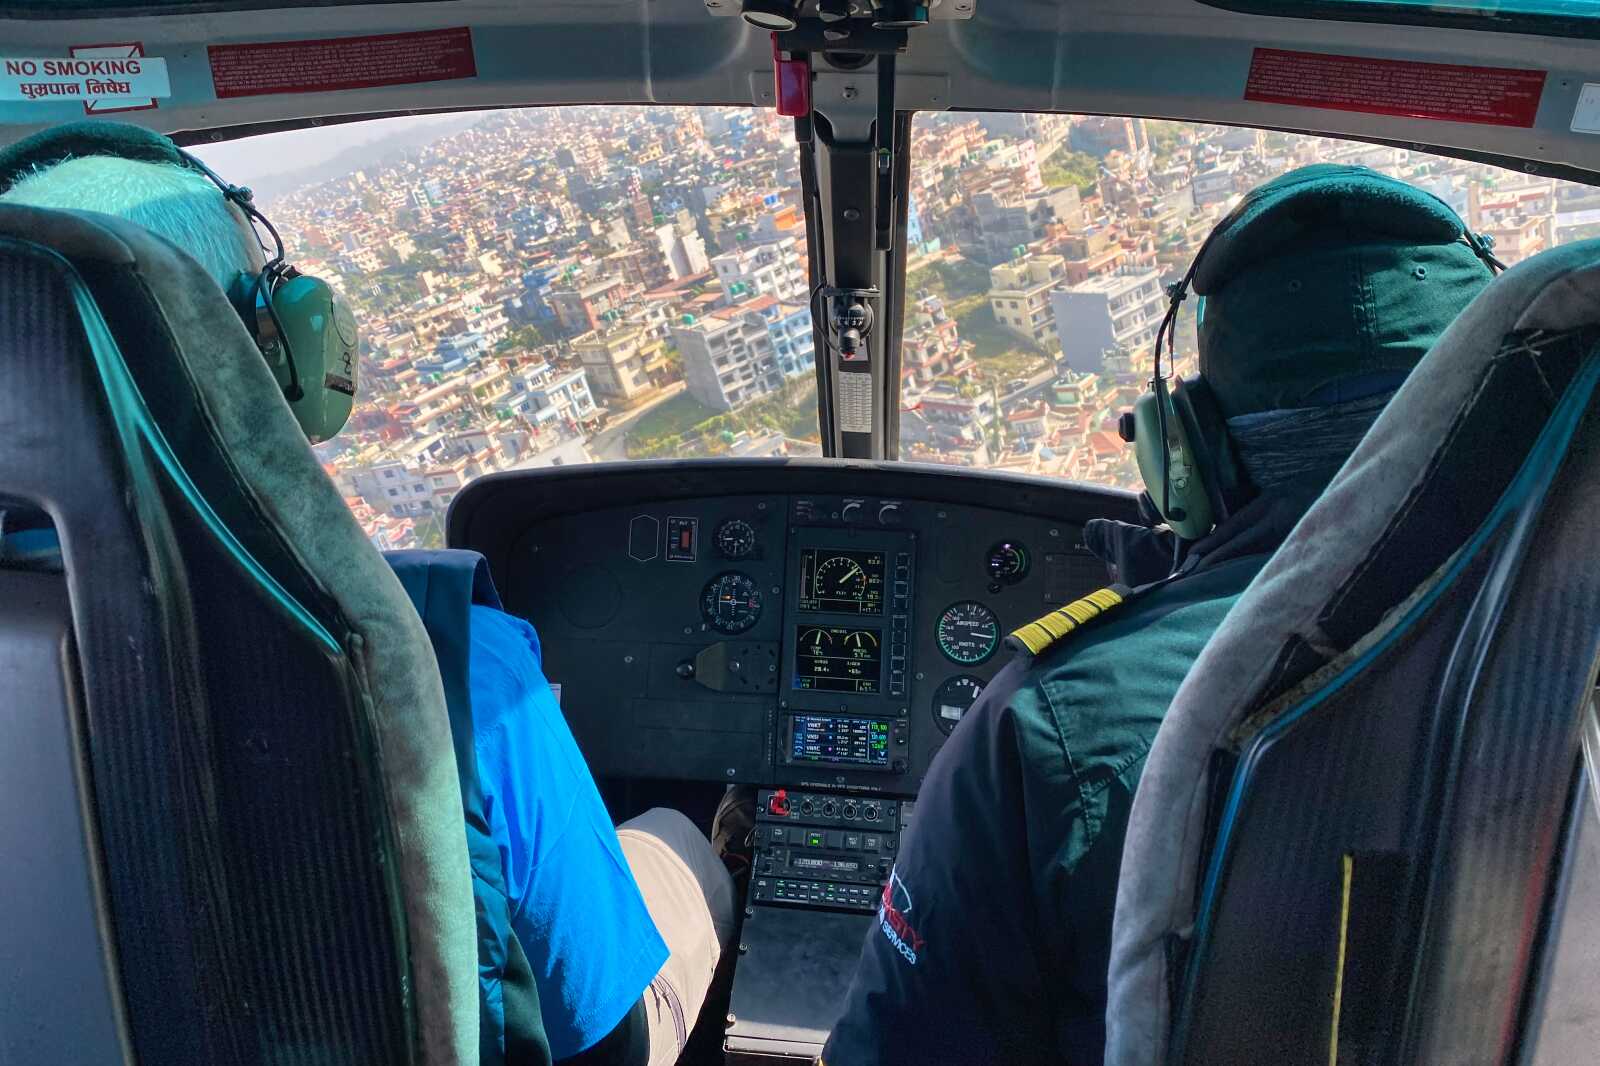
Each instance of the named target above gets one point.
<point>336,63</point>
<point>1491,96</point>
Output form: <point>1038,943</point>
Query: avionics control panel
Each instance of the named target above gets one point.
<point>823,850</point>
<point>757,623</point>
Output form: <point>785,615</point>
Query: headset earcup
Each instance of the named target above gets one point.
<point>1207,432</point>
<point>1201,475</point>
<point>321,353</point>
<point>1174,477</point>
<point>1146,448</point>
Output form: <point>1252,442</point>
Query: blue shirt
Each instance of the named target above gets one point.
<point>575,906</point>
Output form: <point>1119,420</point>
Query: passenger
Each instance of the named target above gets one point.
<point>992,940</point>
<point>623,927</point>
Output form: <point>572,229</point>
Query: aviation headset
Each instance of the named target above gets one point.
<point>1179,433</point>
<point>302,327</point>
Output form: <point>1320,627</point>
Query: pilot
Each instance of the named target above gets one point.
<point>623,927</point>
<point>991,944</point>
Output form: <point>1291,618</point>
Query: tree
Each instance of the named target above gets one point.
<point>1164,136</point>
<point>1066,167</point>
<point>523,339</point>
<point>420,260</point>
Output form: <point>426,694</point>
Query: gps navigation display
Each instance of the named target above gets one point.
<point>831,738</point>
<point>838,659</point>
<point>841,582</point>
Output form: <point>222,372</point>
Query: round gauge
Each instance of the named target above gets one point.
<point>735,538</point>
<point>1008,561</point>
<point>968,632</point>
<point>953,699</point>
<point>731,603</point>
<point>840,578</point>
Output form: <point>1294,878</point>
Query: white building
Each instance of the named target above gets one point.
<point>389,488</point>
<point>1106,312</point>
<point>684,253</point>
<point>1216,184</point>
<point>728,359</point>
<point>542,396</point>
<point>774,269</point>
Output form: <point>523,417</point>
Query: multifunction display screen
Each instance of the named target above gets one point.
<point>832,738</point>
<point>812,864</point>
<point>838,659</point>
<point>841,582</point>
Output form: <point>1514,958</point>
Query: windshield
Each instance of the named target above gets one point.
<point>1040,245</point>
<point>549,286</point>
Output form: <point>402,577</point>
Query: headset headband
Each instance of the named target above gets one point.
<point>1326,174</point>
<point>1320,174</point>
<point>121,140</point>
<point>58,143</point>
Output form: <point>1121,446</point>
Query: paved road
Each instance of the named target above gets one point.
<point>610,443</point>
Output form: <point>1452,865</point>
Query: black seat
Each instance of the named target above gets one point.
<point>1350,840</point>
<point>232,827</point>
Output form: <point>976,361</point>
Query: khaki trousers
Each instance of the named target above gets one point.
<point>690,897</point>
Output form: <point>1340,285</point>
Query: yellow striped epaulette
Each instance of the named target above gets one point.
<point>1039,634</point>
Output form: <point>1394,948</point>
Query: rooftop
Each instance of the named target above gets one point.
<point>1113,284</point>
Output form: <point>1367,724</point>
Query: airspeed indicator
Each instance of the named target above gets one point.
<point>968,632</point>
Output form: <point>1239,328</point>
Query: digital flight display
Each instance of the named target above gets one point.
<point>811,864</point>
<point>838,659</point>
<point>841,582</point>
<point>832,738</point>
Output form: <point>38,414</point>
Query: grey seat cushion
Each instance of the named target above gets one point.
<point>244,414</point>
<point>1287,607</point>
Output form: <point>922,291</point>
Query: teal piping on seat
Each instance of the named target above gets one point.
<point>1528,487</point>
<point>128,403</point>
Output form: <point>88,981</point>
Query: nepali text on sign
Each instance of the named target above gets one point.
<point>112,78</point>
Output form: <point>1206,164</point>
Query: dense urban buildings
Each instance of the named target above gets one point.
<point>554,286</point>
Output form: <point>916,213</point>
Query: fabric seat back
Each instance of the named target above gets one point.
<point>267,783</point>
<point>1352,821</point>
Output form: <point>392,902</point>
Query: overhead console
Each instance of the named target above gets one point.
<point>803,624</point>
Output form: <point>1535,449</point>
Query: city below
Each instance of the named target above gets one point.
<point>566,285</point>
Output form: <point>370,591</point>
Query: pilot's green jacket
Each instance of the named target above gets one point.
<point>993,939</point>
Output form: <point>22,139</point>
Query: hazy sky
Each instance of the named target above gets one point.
<point>249,159</point>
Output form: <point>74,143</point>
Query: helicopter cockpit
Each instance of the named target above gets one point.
<point>774,355</point>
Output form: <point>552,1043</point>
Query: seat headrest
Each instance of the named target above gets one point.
<point>1419,487</point>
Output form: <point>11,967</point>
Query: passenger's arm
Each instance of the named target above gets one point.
<point>950,971</point>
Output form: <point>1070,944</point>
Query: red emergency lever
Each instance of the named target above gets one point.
<point>778,804</point>
<point>791,80</point>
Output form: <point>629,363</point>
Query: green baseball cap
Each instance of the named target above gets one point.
<point>1325,275</point>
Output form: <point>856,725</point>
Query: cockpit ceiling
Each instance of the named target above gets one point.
<point>210,66</point>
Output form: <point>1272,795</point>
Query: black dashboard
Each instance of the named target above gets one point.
<point>816,624</point>
<point>816,629</point>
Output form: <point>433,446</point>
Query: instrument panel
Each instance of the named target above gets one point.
<point>788,634</point>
